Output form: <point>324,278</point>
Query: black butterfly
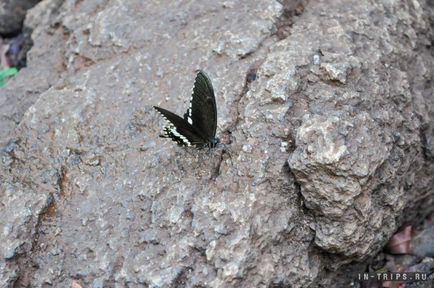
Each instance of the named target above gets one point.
<point>199,125</point>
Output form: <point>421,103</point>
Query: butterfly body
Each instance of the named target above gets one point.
<point>199,124</point>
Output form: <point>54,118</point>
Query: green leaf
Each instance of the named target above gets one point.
<point>7,72</point>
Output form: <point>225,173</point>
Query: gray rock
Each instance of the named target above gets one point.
<point>12,13</point>
<point>45,64</point>
<point>423,243</point>
<point>89,192</point>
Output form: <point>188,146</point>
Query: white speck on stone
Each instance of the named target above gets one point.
<point>283,146</point>
<point>7,229</point>
<point>160,73</point>
<point>323,148</point>
<point>336,71</point>
<point>316,59</point>
<point>278,97</point>
<point>175,214</point>
<point>210,250</point>
<point>228,4</point>
<point>247,148</point>
<point>230,270</point>
<point>57,232</point>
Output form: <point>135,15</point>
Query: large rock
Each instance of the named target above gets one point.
<point>330,147</point>
<point>45,62</point>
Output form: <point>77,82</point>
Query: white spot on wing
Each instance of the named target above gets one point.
<point>171,129</point>
<point>180,136</point>
<point>189,111</point>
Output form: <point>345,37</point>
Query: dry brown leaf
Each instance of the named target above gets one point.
<point>75,284</point>
<point>400,242</point>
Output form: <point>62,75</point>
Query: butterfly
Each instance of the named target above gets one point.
<point>199,124</point>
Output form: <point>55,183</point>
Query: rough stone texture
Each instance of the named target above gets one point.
<point>331,146</point>
<point>12,13</point>
<point>353,161</point>
<point>45,62</point>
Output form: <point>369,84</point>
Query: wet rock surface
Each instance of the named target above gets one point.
<point>327,107</point>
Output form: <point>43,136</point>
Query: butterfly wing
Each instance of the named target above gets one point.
<point>202,113</point>
<point>179,130</point>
